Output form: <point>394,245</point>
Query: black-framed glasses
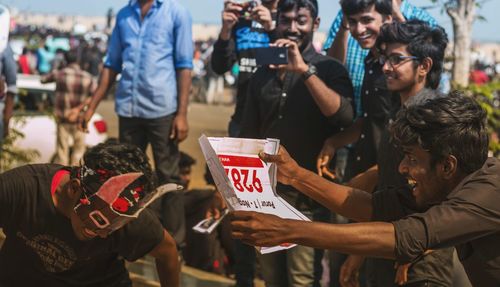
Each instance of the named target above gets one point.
<point>395,60</point>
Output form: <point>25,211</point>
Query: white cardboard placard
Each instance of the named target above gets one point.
<point>244,180</point>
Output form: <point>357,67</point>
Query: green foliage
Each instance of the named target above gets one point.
<point>488,96</point>
<point>11,155</point>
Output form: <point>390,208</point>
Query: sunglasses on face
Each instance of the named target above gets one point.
<point>395,60</point>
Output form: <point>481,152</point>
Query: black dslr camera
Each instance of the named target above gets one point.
<point>247,8</point>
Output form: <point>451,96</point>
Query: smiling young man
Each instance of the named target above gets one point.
<point>412,55</point>
<point>454,183</point>
<point>411,59</point>
<point>365,19</point>
<point>74,226</point>
<point>301,103</point>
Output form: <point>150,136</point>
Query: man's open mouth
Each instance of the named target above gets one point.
<point>365,36</point>
<point>413,184</point>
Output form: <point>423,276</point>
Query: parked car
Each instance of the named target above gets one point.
<point>37,124</point>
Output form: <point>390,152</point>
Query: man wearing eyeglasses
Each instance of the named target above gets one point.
<point>385,87</point>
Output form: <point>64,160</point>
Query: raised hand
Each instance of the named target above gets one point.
<point>325,157</point>
<point>296,63</point>
<point>263,15</point>
<point>287,166</point>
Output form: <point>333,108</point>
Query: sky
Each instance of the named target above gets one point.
<point>208,11</point>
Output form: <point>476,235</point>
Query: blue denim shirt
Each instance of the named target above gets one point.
<point>355,61</point>
<point>147,55</point>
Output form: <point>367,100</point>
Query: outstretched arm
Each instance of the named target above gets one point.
<point>374,239</point>
<point>344,200</point>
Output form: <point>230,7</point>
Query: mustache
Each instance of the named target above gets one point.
<point>295,35</point>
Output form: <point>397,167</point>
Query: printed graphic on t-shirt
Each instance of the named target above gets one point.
<point>248,38</point>
<point>248,65</point>
<point>55,255</point>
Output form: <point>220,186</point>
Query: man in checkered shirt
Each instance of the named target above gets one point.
<point>74,87</point>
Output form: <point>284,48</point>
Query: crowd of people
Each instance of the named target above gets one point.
<point>418,185</point>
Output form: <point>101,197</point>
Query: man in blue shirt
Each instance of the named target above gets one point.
<point>151,47</point>
<point>354,59</point>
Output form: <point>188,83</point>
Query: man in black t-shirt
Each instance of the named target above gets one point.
<point>245,27</point>
<point>301,104</point>
<point>75,226</point>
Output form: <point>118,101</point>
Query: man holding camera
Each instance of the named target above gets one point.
<point>301,103</point>
<point>245,27</point>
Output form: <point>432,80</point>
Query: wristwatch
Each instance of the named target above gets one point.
<point>310,71</point>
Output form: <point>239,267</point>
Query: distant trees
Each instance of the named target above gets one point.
<point>462,14</point>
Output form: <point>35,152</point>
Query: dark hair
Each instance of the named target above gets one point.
<point>351,7</point>
<point>71,56</point>
<point>423,41</point>
<point>186,160</point>
<point>287,5</point>
<point>450,125</point>
<point>120,158</point>
<point>208,176</point>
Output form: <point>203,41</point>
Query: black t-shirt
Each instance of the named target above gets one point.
<point>377,103</point>
<point>41,248</point>
<point>286,110</point>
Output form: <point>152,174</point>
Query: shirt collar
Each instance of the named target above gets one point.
<point>131,3</point>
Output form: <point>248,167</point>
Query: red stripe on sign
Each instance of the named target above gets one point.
<point>240,161</point>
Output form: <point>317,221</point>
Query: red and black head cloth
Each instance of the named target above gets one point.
<point>92,180</point>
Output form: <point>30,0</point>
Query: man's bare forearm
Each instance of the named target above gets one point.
<point>366,180</point>
<point>348,136</point>
<point>374,239</point>
<point>183,86</point>
<point>108,77</point>
<point>346,201</point>
<point>167,261</point>
<point>338,49</point>
<point>327,99</point>
<point>168,272</point>
<point>9,107</point>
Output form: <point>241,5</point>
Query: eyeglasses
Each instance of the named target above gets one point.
<point>395,60</point>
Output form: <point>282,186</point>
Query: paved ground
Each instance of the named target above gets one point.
<point>211,120</point>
